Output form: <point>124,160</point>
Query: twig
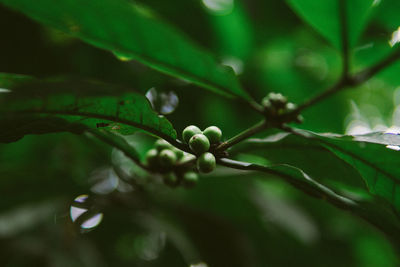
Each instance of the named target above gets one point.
<point>243,135</point>
<point>350,82</point>
<point>366,74</point>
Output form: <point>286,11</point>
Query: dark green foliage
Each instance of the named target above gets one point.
<point>91,173</point>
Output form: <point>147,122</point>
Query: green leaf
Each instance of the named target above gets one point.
<point>363,163</point>
<point>133,32</point>
<point>375,158</point>
<point>325,17</point>
<point>118,142</point>
<point>16,128</point>
<point>308,155</point>
<point>92,104</point>
<point>387,14</point>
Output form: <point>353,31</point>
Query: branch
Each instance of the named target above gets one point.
<point>368,73</point>
<point>243,135</point>
<point>350,82</point>
<point>318,98</point>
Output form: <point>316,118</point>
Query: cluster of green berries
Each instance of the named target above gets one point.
<point>200,143</point>
<point>277,104</point>
<point>168,161</point>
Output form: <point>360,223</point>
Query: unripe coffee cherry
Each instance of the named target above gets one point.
<point>266,103</point>
<point>188,132</point>
<point>190,179</point>
<point>161,144</point>
<point>213,134</point>
<point>277,98</point>
<point>179,153</point>
<point>206,162</point>
<point>167,158</point>
<point>152,158</point>
<point>199,143</point>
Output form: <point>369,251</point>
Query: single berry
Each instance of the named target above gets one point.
<point>161,144</point>
<point>199,143</point>
<point>179,153</point>
<point>277,100</point>
<point>290,106</point>
<point>188,157</point>
<point>213,134</point>
<point>167,157</point>
<point>266,102</point>
<point>188,132</point>
<point>190,179</point>
<point>170,179</point>
<point>206,162</point>
<point>152,158</point>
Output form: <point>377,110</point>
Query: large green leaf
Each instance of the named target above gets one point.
<point>91,104</point>
<point>133,32</point>
<point>306,154</point>
<point>375,158</point>
<point>325,17</point>
<point>363,163</point>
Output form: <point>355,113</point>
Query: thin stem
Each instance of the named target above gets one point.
<point>350,82</point>
<point>243,135</point>
<point>319,97</point>
<point>366,74</point>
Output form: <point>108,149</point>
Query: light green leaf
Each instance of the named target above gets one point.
<point>325,17</point>
<point>133,32</point>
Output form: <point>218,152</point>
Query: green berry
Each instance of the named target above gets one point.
<point>206,162</point>
<point>170,179</point>
<point>189,131</point>
<point>199,143</point>
<point>167,158</point>
<point>161,144</point>
<point>188,157</point>
<point>213,134</point>
<point>266,103</point>
<point>179,153</point>
<point>190,179</point>
<point>152,158</point>
<point>277,97</point>
<point>290,106</point>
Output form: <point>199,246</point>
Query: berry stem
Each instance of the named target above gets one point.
<point>243,135</point>
<point>350,81</point>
